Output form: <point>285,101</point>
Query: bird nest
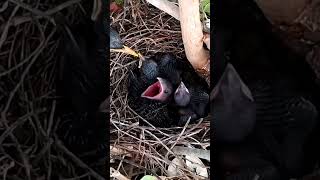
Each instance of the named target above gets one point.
<point>29,38</point>
<point>139,150</point>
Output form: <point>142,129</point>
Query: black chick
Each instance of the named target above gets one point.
<point>156,80</point>
<point>159,84</point>
<point>149,94</point>
<point>284,124</point>
<point>281,84</point>
<point>169,68</point>
<point>115,40</point>
<point>116,44</point>
<point>83,86</point>
<point>234,117</point>
<point>191,97</point>
<point>283,87</point>
<point>233,108</point>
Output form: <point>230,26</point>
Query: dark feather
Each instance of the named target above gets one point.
<point>282,85</point>
<point>233,108</point>
<point>115,40</point>
<point>166,66</point>
<point>198,106</point>
<point>169,68</point>
<point>156,113</point>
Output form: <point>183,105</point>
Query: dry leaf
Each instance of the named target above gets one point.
<point>196,165</point>
<point>173,169</point>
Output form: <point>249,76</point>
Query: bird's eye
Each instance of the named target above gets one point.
<point>166,91</point>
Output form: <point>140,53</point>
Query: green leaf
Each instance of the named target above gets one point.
<point>119,2</point>
<point>205,6</point>
<point>148,177</point>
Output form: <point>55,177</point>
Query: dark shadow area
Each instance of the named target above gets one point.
<point>53,79</point>
<point>258,70</point>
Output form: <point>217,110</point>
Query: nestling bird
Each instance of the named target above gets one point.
<point>283,89</point>
<point>196,89</point>
<point>148,91</point>
<point>283,86</point>
<point>162,81</point>
<point>148,95</point>
<point>233,108</point>
<point>116,44</point>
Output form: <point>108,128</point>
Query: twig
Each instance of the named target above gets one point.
<point>97,7</point>
<point>43,151</point>
<point>77,160</point>
<point>204,154</point>
<point>6,29</point>
<point>48,12</point>
<point>78,177</point>
<point>4,6</point>
<point>6,169</point>
<point>116,174</point>
<point>24,74</point>
<point>51,117</point>
<point>22,154</point>
<point>177,140</point>
<point>11,128</point>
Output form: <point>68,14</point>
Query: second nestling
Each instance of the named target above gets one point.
<point>167,92</point>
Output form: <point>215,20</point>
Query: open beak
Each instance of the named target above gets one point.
<point>127,50</point>
<point>159,90</point>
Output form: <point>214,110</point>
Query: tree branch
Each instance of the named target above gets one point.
<point>192,36</point>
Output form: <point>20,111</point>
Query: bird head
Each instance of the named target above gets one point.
<point>182,95</point>
<point>160,90</point>
<point>150,69</point>
<point>116,44</point>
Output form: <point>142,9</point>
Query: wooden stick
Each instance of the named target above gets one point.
<point>167,7</point>
<point>189,15</point>
<point>192,36</point>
